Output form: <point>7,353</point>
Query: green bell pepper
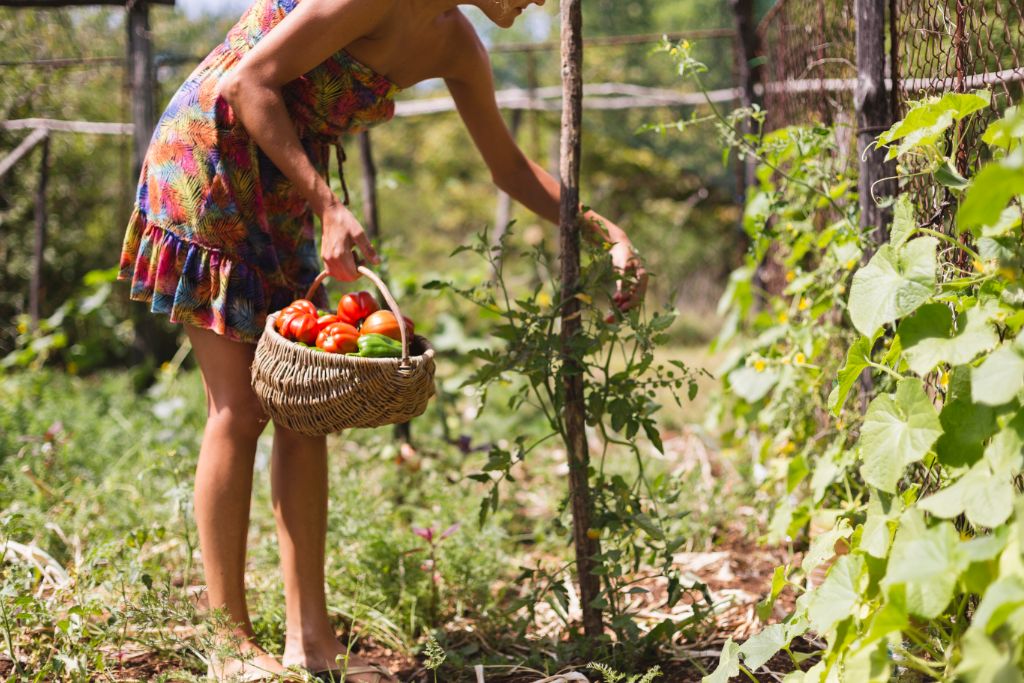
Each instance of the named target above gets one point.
<point>378,346</point>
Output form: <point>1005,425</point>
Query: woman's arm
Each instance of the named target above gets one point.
<point>471,84</point>
<point>306,37</point>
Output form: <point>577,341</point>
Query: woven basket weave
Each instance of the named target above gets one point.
<point>319,393</point>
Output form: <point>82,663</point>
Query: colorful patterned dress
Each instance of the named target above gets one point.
<point>219,237</point>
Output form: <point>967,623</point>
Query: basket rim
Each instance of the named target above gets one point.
<point>277,338</point>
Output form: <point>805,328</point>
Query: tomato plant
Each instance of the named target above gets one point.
<point>623,376</point>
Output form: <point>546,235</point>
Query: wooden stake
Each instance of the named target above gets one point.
<point>141,75</point>
<point>35,292</point>
<point>874,116</point>
<point>569,231</point>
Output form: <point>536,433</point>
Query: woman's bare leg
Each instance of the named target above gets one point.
<point>223,486</point>
<point>299,486</point>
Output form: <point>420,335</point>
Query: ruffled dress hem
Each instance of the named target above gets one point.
<point>192,283</point>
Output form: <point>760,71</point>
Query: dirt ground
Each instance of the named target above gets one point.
<point>737,573</point>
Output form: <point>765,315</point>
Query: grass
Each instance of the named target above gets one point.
<point>97,490</point>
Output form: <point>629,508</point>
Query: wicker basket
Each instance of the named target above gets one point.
<point>319,393</point>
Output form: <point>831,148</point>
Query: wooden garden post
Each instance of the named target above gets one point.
<point>874,116</point>
<point>35,292</point>
<point>569,230</point>
<point>142,78</point>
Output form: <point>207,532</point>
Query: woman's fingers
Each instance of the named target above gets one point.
<point>369,253</point>
<point>341,233</point>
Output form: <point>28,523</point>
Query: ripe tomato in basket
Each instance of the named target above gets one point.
<point>301,327</point>
<point>297,306</point>
<point>325,320</point>
<point>338,337</point>
<point>384,322</point>
<point>354,307</point>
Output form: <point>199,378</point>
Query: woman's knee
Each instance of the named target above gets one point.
<point>241,419</point>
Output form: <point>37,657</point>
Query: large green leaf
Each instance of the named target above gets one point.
<point>871,663</point>
<point>986,497</point>
<point>984,662</point>
<point>926,562</point>
<point>728,664</point>
<point>993,188</point>
<point>898,429</point>
<point>999,378</point>
<point>857,358</point>
<point>1007,130</point>
<point>823,546</point>
<point>929,337</point>
<point>751,385</point>
<point>966,425</point>
<point>838,594</point>
<point>882,514</point>
<point>763,645</point>
<point>928,120</point>
<point>1002,599</point>
<point>893,284</point>
<point>903,223</point>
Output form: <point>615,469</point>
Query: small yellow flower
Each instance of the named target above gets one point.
<point>544,299</point>
<point>789,227</point>
<point>788,447</point>
<point>165,366</point>
<point>979,266</point>
<point>804,303</point>
<point>22,327</point>
<point>944,380</point>
<point>593,534</point>
<point>850,264</point>
<point>783,317</point>
<point>840,424</point>
<point>760,365</point>
<point>790,276</point>
<point>799,358</point>
<point>841,289</point>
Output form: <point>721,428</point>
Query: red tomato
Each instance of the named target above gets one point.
<point>304,305</point>
<point>284,318</point>
<point>338,338</point>
<point>354,307</point>
<point>302,327</point>
<point>326,319</point>
<point>384,322</point>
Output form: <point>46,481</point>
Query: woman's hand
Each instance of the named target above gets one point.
<point>631,284</point>
<point>341,233</point>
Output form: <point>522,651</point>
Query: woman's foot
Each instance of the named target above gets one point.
<point>252,663</point>
<point>328,655</point>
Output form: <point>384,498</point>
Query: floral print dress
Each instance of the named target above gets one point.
<point>218,236</point>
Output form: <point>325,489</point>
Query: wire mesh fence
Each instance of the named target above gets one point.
<point>934,46</point>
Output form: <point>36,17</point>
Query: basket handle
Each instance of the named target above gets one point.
<point>392,304</point>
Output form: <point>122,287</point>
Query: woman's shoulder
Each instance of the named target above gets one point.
<point>463,53</point>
